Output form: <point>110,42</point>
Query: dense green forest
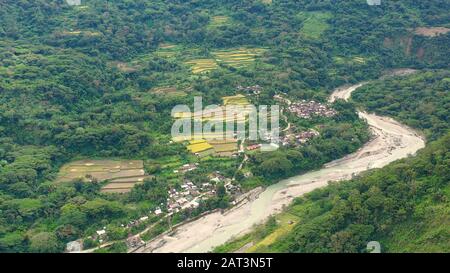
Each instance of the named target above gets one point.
<point>421,101</point>
<point>79,82</point>
<point>405,206</point>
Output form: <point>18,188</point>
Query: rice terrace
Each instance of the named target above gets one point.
<point>238,58</point>
<point>219,20</point>
<point>202,65</point>
<point>193,126</point>
<point>120,175</point>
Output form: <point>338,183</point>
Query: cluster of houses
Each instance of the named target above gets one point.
<point>187,197</point>
<point>232,189</point>
<point>255,89</point>
<point>308,109</point>
<point>299,138</point>
<point>134,241</point>
<point>137,222</point>
<point>101,236</point>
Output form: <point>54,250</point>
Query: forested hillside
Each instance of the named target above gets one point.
<point>405,206</point>
<point>99,81</point>
<point>421,101</point>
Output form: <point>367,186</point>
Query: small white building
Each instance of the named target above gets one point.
<point>101,232</point>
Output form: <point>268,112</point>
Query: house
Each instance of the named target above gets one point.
<point>255,89</point>
<point>253,147</point>
<point>134,241</point>
<point>158,211</point>
<point>101,233</point>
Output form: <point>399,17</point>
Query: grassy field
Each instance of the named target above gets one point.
<point>121,175</point>
<point>125,67</point>
<point>286,223</point>
<point>314,23</point>
<point>259,239</point>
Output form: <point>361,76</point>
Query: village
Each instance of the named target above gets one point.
<point>297,139</point>
<point>309,109</point>
<point>189,195</point>
<point>254,89</point>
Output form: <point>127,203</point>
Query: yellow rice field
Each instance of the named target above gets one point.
<point>238,58</point>
<point>235,100</point>
<point>202,65</point>
<point>197,146</point>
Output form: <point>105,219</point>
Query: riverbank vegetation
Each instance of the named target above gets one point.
<point>404,205</point>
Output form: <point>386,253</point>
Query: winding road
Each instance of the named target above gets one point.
<point>391,141</point>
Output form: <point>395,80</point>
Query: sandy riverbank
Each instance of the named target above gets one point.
<point>391,141</point>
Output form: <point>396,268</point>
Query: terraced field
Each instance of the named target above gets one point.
<point>224,147</point>
<point>202,65</point>
<point>196,146</point>
<point>350,60</point>
<point>235,100</point>
<point>168,91</point>
<point>238,58</point>
<point>218,21</point>
<point>81,32</point>
<point>121,175</point>
<point>168,50</point>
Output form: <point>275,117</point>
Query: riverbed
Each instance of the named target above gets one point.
<point>391,141</point>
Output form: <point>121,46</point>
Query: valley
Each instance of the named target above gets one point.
<point>391,141</point>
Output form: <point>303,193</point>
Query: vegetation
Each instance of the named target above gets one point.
<point>404,206</point>
<point>421,101</point>
<point>98,82</point>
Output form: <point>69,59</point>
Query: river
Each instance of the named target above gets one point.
<point>391,141</point>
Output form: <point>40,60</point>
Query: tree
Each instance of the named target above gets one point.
<point>72,214</point>
<point>45,242</point>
